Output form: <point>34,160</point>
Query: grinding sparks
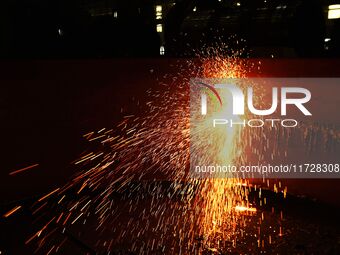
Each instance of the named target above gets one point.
<point>134,184</point>
<point>156,144</point>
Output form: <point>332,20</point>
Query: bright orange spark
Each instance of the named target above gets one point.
<point>23,169</point>
<point>9,213</point>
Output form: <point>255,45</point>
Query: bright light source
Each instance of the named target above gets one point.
<point>161,50</point>
<point>334,6</point>
<point>159,12</point>
<point>115,15</point>
<point>241,208</point>
<point>158,8</point>
<point>159,28</point>
<point>238,4</point>
<point>195,9</point>
<point>334,11</point>
<point>60,32</point>
<point>334,14</point>
<point>327,39</point>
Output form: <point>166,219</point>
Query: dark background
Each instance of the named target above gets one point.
<point>117,28</point>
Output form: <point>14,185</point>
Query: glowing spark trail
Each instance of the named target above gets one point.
<point>9,213</point>
<point>23,169</point>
